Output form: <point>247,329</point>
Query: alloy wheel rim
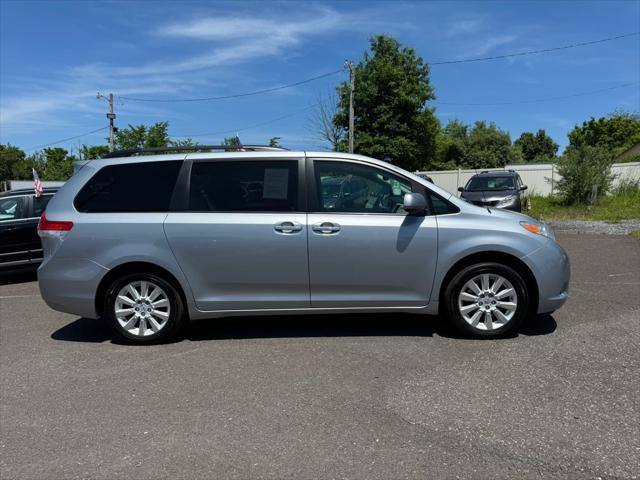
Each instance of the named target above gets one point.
<point>142,308</point>
<point>488,301</point>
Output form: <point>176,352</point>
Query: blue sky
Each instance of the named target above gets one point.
<point>55,55</point>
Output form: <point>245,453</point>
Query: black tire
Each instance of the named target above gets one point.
<point>176,309</point>
<point>456,284</point>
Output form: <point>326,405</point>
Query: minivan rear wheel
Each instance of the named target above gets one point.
<point>487,300</point>
<point>143,308</point>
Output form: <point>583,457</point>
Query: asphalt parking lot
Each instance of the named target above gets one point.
<point>332,397</point>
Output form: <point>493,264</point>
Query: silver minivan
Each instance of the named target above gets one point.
<point>148,242</point>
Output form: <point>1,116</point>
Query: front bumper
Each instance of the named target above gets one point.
<point>552,269</point>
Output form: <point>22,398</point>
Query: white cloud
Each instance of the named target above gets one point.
<point>465,26</point>
<point>236,39</point>
<point>224,41</point>
<point>486,45</point>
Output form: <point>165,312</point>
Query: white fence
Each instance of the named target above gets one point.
<point>18,184</point>
<point>541,178</point>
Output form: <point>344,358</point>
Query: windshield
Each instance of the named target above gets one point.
<point>485,182</point>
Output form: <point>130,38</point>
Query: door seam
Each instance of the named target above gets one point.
<point>308,259</point>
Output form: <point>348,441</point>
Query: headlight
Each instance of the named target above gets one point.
<point>506,201</point>
<point>539,228</point>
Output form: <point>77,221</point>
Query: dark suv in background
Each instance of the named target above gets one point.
<point>498,189</point>
<point>20,211</point>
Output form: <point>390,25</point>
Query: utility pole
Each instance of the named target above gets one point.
<point>352,79</point>
<point>111,116</point>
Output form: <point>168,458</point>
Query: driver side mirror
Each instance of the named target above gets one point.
<point>414,203</point>
<point>523,187</point>
<point>461,189</point>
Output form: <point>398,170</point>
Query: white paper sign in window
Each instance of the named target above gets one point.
<point>276,183</point>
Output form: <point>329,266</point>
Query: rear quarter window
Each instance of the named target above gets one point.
<point>129,187</point>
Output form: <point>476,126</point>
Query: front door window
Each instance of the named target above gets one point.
<point>345,187</point>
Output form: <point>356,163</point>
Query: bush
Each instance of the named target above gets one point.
<point>584,170</point>
<point>627,187</point>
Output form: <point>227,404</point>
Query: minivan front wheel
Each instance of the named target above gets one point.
<point>487,300</point>
<point>143,308</point>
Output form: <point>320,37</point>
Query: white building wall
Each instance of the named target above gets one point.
<point>540,178</point>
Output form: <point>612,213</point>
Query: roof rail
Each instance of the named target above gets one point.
<point>193,148</point>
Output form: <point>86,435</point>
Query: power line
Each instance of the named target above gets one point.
<point>324,75</point>
<point>237,95</point>
<point>297,112</point>
<point>537,100</point>
<point>534,52</point>
<point>234,130</point>
<point>65,139</point>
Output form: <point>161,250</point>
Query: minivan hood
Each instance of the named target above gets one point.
<point>510,215</point>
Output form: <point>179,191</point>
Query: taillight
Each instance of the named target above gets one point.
<point>45,225</point>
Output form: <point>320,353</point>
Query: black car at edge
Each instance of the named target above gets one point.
<point>20,211</point>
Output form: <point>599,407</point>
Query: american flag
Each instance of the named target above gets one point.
<point>37,185</point>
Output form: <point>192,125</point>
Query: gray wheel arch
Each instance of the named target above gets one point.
<point>497,257</point>
<point>135,267</point>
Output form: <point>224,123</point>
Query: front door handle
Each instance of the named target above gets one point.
<point>287,227</point>
<point>326,228</point>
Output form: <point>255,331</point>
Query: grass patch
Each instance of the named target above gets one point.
<point>635,234</point>
<point>612,209</point>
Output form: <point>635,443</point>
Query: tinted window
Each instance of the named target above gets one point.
<point>489,182</point>
<point>39,204</point>
<point>352,187</point>
<point>13,208</point>
<point>244,186</point>
<point>130,187</point>
<point>441,206</point>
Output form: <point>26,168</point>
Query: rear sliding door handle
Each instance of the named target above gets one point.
<point>287,227</point>
<point>326,228</point>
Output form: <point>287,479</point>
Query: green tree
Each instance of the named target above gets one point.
<point>392,119</point>
<point>11,159</point>
<point>138,136</point>
<point>585,172</point>
<point>274,141</point>
<point>617,132</point>
<point>232,141</point>
<point>185,142</point>
<point>89,152</point>
<point>141,136</point>
<point>16,165</point>
<point>481,146</point>
<point>488,147</point>
<point>536,148</point>
<point>451,146</point>
<point>58,164</point>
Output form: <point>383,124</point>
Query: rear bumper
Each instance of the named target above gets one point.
<point>69,284</point>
